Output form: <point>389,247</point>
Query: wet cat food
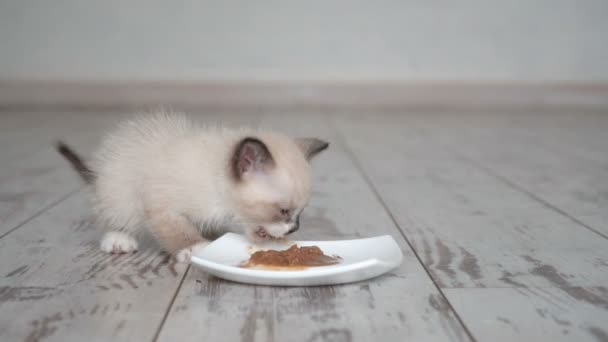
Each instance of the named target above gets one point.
<point>293,257</point>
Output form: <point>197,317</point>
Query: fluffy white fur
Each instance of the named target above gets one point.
<point>170,176</point>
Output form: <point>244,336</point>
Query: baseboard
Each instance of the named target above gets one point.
<point>16,95</point>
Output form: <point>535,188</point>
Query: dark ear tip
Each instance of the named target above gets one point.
<point>250,153</point>
<point>311,146</point>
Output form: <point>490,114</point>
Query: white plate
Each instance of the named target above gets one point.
<point>361,259</point>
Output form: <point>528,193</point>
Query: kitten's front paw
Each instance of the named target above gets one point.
<point>184,255</point>
<point>118,242</point>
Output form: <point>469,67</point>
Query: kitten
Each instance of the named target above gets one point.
<point>165,174</point>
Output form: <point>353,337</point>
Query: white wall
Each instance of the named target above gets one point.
<point>299,40</point>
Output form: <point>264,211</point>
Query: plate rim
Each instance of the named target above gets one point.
<point>309,273</point>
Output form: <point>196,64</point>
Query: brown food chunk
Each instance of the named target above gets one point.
<point>293,257</point>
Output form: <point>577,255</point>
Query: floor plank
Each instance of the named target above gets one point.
<point>580,135</point>
<point>531,314</point>
<point>470,229</point>
<point>544,156</point>
<point>459,216</point>
<point>56,285</point>
<point>401,305</point>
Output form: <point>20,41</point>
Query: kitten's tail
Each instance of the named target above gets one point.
<point>83,170</point>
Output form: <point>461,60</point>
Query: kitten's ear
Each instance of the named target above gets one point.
<point>311,146</point>
<point>250,155</point>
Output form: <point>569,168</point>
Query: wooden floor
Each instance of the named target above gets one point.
<point>503,220</point>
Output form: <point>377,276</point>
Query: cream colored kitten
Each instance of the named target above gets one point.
<point>165,174</point>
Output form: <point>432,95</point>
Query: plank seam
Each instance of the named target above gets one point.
<point>166,315</point>
<point>40,212</point>
<point>373,189</point>
<point>526,192</point>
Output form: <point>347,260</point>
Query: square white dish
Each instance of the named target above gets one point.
<point>361,259</point>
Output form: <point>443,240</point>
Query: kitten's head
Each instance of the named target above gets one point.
<point>272,182</point>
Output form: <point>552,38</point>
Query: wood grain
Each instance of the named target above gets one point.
<point>531,314</point>
<point>471,229</point>
<point>56,285</point>
<point>560,160</point>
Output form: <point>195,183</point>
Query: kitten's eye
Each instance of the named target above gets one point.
<point>285,212</point>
